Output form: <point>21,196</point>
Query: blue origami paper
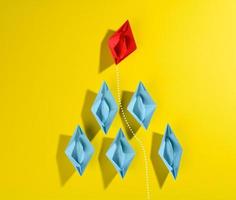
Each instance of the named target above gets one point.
<point>170,151</point>
<point>120,153</point>
<point>104,108</point>
<point>142,106</point>
<point>79,150</point>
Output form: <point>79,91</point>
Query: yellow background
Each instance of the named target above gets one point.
<point>52,62</point>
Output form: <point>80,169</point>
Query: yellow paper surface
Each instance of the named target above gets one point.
<point>52,62</point>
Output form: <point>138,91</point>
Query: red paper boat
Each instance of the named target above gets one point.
<point>122,42</point>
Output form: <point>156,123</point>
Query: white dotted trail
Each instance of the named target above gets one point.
<point>134,135</point>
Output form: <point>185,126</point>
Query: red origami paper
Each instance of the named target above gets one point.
<point>122,42</point>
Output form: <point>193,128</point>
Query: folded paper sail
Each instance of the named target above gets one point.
<point>170,151</point>
<point>79,150</point>
<point>120,153</point>
<point>122,42</point>
<point>142,106</point>
<point>104,108</point>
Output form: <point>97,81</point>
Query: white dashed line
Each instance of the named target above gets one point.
<point>131,130</point>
